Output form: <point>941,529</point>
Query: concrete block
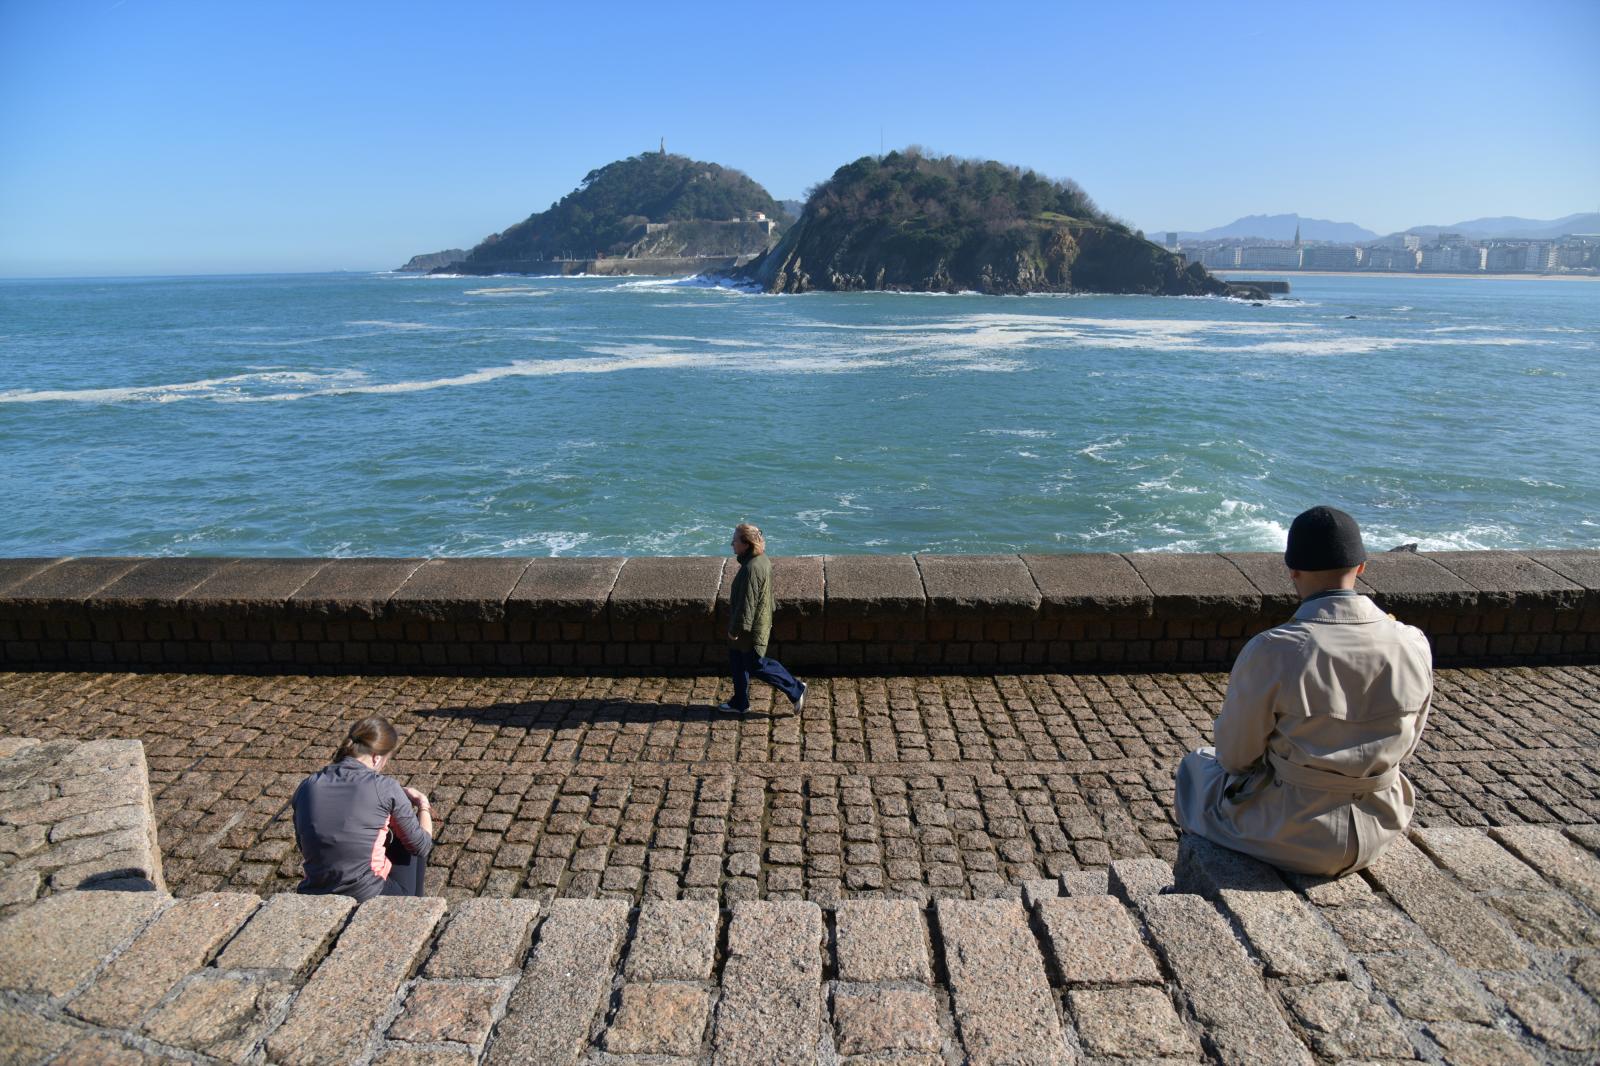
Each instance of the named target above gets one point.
<point>351,588</point>
<point>564,589</point>
<point>1580,567</point>
<point>1004,1009</point>
<point>1074,585</point>
<point>458,590</point>
<point>1267,572</point>
<point>14,572</point>
<point>880,587</point>
<point>1510,579</point>
<point>665,590</point>
<point>250,588</point>
<point>1195,586</point>
<point>154,586</point>
<point>881,940</point>
<point>62,588</point>
<point>993,587</point>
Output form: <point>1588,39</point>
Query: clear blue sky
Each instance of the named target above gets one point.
<point>142,137</point>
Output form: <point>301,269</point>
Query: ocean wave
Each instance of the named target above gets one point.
<point>507,290</point>
<point>1031,434</point>
<point>231,387</point>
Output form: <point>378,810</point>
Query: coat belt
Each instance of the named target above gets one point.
<point>1306,777</point>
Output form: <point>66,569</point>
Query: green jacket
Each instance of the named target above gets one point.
<point>750,604</point>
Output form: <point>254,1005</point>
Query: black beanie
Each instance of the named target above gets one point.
<point>1324,538</point>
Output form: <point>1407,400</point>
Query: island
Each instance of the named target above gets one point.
<point>654,213</point>
<point>915,223</point>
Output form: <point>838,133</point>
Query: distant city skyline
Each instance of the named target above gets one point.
<point>141,137</point>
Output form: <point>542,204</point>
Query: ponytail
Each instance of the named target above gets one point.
<point>372,735</point>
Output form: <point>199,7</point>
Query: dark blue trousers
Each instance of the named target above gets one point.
<point>406,873</point>
<point>745,664</point>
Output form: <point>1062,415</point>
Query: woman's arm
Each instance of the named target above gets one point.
<point>414,833</point>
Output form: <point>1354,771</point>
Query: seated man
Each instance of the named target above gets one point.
<point>1320,712</point>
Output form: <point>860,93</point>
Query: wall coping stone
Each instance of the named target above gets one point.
<point>838,612</point>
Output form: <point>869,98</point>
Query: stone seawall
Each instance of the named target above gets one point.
<point>835,614</point>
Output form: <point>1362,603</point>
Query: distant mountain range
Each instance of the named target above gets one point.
<point>1282,228</point>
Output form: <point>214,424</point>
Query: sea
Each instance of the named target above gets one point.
<point>391,414</point>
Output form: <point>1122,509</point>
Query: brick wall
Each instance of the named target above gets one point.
<point>835,614</point>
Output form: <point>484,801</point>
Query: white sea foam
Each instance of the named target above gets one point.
<point>231,387</point>
<point>508,290</point>
<point>1031,434</point>
<point>1093,451</point>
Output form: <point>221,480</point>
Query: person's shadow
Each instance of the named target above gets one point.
<point>558,713</point>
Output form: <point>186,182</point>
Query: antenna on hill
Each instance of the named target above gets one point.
<point>663,146</point>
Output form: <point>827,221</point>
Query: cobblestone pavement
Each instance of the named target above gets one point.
<point>638,788</point>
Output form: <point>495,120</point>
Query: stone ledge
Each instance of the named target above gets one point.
<point>74,815</point>
<point>839,614</point>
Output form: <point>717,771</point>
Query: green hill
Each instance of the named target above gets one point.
<point>603,215</point>
<point>915,223</point>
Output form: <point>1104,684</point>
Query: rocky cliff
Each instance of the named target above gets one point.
<point>907,222</point>
<point>434,260</point>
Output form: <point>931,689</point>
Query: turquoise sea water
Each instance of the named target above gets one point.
<point>397,415</point>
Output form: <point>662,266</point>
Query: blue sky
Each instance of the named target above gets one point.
<point>142,137</point>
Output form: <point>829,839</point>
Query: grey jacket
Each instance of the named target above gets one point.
<point>750,604</point>
<point>343,814</point>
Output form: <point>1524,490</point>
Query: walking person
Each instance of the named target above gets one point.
<point>1319,715</point>
<point>750,625</point>
<point>360,832</point>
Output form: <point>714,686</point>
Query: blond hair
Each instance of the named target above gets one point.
<point>752,536</point>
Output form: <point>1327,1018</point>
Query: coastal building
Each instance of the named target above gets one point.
<point>1223,257</point>
<point>1541,257</point>
<point>1505,258</point>
<point>1330,257</point>
<point>1411,241</point>
<point>1269,257</point>
<point>1396,259</point>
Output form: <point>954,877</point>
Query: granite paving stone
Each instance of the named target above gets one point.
<point>771,985</point>
<point>29,1040</point>
<point>564,589</point>
<point>290,932</point>
<point>180,941</point>
<point>997,587</point>
<point>484,938</point>
<point>1092,940</point>
<point>1087,583</point>
<point>1425,986</point>
<point>473,589</point>
<point>875,585</point>
<point>563,985</point>
<point>57,943</point>
<point>1287,934</point>
<point>1219,982</point>
<point>673,940</point>
<point>1448,914</point>
<point>345,998</point>
<point>1553,1012</point>
<point>1195,583</point>
<point>219,1013</point>
<point>1509,578</point>
<point>1078,770</point>
<point>1478,1045</point>
<point>1004,1009</point>
<point>881,940</point>
<point>352,588</point>
<point>438,1011</point>
<point>1557,860</point>
<point>155,583</point>
<point>656,1018</point>
<point>246,582</point>
<point>1343,1021</point>
<point>1476,861</point>
<point>868,1021</point>
<point>1131,1023</point>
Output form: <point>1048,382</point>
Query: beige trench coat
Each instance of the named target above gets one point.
<point>1320,712</point>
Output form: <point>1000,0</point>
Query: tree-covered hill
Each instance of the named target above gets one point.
<point>611,202</point>
<point>913,222</point>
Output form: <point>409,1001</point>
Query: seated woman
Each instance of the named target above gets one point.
<point>361,833</point>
